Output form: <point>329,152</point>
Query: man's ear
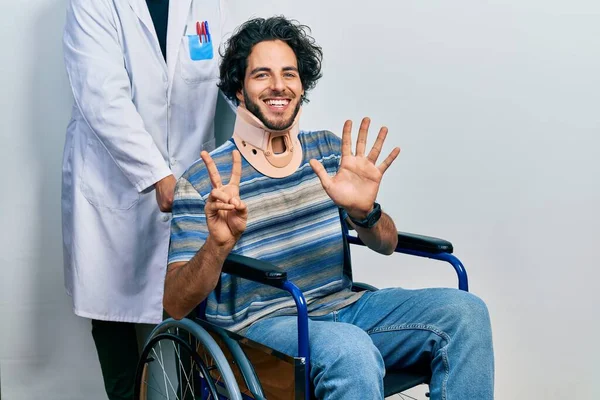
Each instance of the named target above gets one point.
<point>240,96</point>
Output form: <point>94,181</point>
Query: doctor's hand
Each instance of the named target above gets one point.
<point>226,213</point>
<point>165,190</point>
<point>356,184</point>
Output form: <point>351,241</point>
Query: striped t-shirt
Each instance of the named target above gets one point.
<point>292,223</point>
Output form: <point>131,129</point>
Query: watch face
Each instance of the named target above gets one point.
<point>371,219</point>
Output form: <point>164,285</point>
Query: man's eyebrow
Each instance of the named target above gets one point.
<point>260,69</point>
<point>266,69</point>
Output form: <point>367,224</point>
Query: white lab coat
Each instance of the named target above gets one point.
<point>135,120</point>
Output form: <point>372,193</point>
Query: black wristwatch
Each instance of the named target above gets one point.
<point>371,218</point>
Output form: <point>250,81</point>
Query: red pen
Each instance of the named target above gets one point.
<point>199,30</point>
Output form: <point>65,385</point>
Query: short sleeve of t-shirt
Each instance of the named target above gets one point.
<point>188,225</point>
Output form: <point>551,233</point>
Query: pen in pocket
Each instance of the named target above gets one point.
<point>207,31</point>
<point>199,30</point>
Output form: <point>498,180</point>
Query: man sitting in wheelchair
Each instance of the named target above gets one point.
<point>274,192</point>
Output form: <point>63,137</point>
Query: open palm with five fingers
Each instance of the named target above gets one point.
<point>226,214</point>
<point>356,184</point>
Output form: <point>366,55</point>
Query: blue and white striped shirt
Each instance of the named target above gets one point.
<point>292,223</point>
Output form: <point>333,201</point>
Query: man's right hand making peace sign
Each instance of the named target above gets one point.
<point>226,213</point>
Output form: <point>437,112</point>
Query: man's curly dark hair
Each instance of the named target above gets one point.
<point>238,47</point>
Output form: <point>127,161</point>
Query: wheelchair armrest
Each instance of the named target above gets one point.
<point>411,241</point>
<point>254,270</point>
<point>268,274</point>
<point>426,246</point>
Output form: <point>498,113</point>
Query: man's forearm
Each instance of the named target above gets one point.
<point>189,284</point>
<point>382,238</point>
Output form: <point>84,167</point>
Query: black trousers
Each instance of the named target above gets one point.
<point>117,347</point>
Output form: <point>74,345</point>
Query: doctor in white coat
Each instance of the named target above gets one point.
<point>139,119</point>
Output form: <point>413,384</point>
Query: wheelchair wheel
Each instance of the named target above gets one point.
<point>181,361</point>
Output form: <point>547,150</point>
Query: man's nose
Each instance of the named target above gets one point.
<point>277,84</point>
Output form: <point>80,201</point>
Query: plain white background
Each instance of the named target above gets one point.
<point>495,106</point>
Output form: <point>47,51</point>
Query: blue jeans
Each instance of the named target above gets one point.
<point>394,329</point>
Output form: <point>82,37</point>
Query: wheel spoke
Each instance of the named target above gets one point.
<point>177,350</point>
<point>156,390</point>
<point>155,381</point>
<point>179,375</point>
<point>165,376</point>
<point>404,396</point>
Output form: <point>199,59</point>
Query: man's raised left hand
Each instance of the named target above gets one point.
<point>356,184</point>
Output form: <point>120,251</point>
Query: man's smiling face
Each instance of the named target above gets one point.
<point>272,86</point>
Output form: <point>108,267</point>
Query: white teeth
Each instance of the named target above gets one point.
<point>277,103</point>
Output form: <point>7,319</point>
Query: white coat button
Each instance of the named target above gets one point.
<point>165,218</point>
<point>172,162</point>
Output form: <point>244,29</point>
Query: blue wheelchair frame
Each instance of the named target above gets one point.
<point>411,244</point>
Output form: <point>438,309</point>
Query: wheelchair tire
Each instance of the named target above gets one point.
<point>181,361</point>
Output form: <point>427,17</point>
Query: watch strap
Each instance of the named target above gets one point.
<point>371,219</point>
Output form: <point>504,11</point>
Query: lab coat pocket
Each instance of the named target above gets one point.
<point>199,50</point>
<point>102,183</point>
<point>197,60</point>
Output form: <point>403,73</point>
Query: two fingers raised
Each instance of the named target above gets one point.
<point>222,199</point>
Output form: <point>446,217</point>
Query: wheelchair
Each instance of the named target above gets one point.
<point>194,359</point>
